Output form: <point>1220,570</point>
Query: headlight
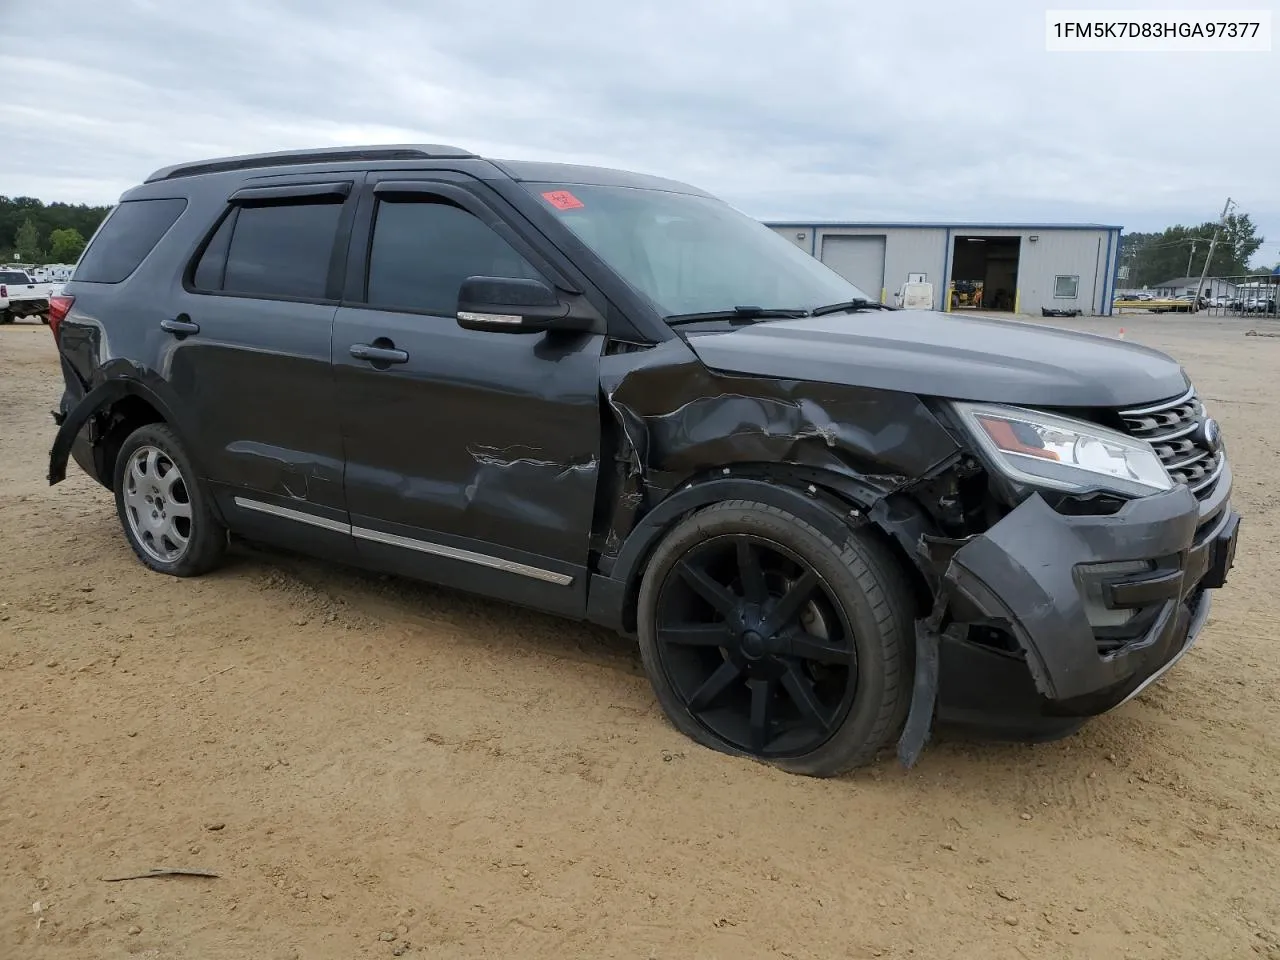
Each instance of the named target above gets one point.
<point>1047,451</point>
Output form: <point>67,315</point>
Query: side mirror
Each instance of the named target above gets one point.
<point>510,305</point>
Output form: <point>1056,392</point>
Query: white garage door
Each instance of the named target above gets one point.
<point>860,260</point>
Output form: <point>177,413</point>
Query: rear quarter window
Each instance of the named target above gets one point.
<point>275,250</point>
<point>130,232</point>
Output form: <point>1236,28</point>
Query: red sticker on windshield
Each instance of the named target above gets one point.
<point>562,200</point>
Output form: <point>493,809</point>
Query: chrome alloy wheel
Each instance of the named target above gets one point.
<point>157,504</point>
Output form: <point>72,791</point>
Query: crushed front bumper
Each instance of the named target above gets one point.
<point>1025,578</point>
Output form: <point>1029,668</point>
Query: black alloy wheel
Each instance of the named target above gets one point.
<point>764,638</point>
<point>756,646</point>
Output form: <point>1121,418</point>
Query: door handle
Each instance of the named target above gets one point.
<point>180,326</point>
<point>365,351</point>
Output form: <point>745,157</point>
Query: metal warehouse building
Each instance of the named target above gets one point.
<point>1014,267</point>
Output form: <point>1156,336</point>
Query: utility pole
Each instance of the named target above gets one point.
<point>1191,256</point>
<point>1222,221</point>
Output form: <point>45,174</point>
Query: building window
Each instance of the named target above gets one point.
<point>1066,288</point>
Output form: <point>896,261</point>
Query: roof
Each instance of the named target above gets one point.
<point>544,172</point>
<point>938,225</point>
<point>516,169</point>
<point>1190,282</point>
<point>282,158</point>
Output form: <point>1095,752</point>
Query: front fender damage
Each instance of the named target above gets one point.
<point>679,423</point>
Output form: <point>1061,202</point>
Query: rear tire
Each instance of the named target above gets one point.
<point>763,638</point>
<point>165,513</point>
<point>6,317</point>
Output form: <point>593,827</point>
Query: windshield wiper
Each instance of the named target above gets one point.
<point>850,305</point>
<point>744,313</point>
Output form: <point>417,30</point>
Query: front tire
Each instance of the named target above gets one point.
<point>165,514</point>
<point>764,638</point>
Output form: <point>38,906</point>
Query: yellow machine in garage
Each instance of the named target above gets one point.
<point>965,293</point>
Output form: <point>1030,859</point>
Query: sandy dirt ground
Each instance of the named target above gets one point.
<point>378,768</point>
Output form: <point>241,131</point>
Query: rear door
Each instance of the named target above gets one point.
<point>251,357</point>
<point>472,457</point>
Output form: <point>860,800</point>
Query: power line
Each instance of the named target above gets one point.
<point>1171,243</point>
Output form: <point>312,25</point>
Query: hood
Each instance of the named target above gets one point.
<point>949,355</point>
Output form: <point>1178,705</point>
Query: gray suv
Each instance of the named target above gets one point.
<point>613,397</point>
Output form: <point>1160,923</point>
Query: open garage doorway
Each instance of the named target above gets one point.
<point>984,271</point>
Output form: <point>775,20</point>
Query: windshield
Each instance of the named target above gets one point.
<point>691,254</point>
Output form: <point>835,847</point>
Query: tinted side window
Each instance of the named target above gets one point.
<point>422,251</point>
<point>213,262</point>
<point>130,232</point>
<point>272,250</point>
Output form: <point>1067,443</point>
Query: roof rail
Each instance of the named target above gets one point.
<point>399,151</point>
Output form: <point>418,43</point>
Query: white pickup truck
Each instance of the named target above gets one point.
<point>20,296</point>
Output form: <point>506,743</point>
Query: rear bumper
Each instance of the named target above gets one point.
<point>1027,576</point>
<point>28,308</point>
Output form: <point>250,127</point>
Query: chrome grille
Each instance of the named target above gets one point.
<point>1173,430</point>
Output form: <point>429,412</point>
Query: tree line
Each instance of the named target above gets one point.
<point>1180,251</point>
<point>32,231</point>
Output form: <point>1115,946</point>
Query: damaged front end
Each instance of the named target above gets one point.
<point>1043,607</point>
<point>1051,617</point>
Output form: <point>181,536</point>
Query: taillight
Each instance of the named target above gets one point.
<point>4,292</point>
<point>59,307</point>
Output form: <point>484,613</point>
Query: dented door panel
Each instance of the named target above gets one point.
<point>494,438</point>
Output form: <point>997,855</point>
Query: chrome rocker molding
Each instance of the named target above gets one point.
<point>337,526</point>
<point>408,543</point>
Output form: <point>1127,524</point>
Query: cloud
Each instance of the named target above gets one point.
<point>808,109</point>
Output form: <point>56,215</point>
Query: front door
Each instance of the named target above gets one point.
<point>471,457</point>
<point>249,350</point>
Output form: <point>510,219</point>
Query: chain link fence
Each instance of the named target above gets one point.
<point>1253,295</point>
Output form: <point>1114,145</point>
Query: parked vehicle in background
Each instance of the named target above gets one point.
<point>20,297</point>
<point>1260,303</point>
<point>914,296</point>
<point>615,398</point>
<point>52,272</point>
<point>1183,304</point>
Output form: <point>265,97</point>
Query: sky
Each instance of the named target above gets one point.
<point>788,109</point>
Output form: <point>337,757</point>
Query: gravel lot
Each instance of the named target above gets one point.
<point>377,768</point>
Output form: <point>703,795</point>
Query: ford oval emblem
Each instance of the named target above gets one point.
<point>1211,434</point>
